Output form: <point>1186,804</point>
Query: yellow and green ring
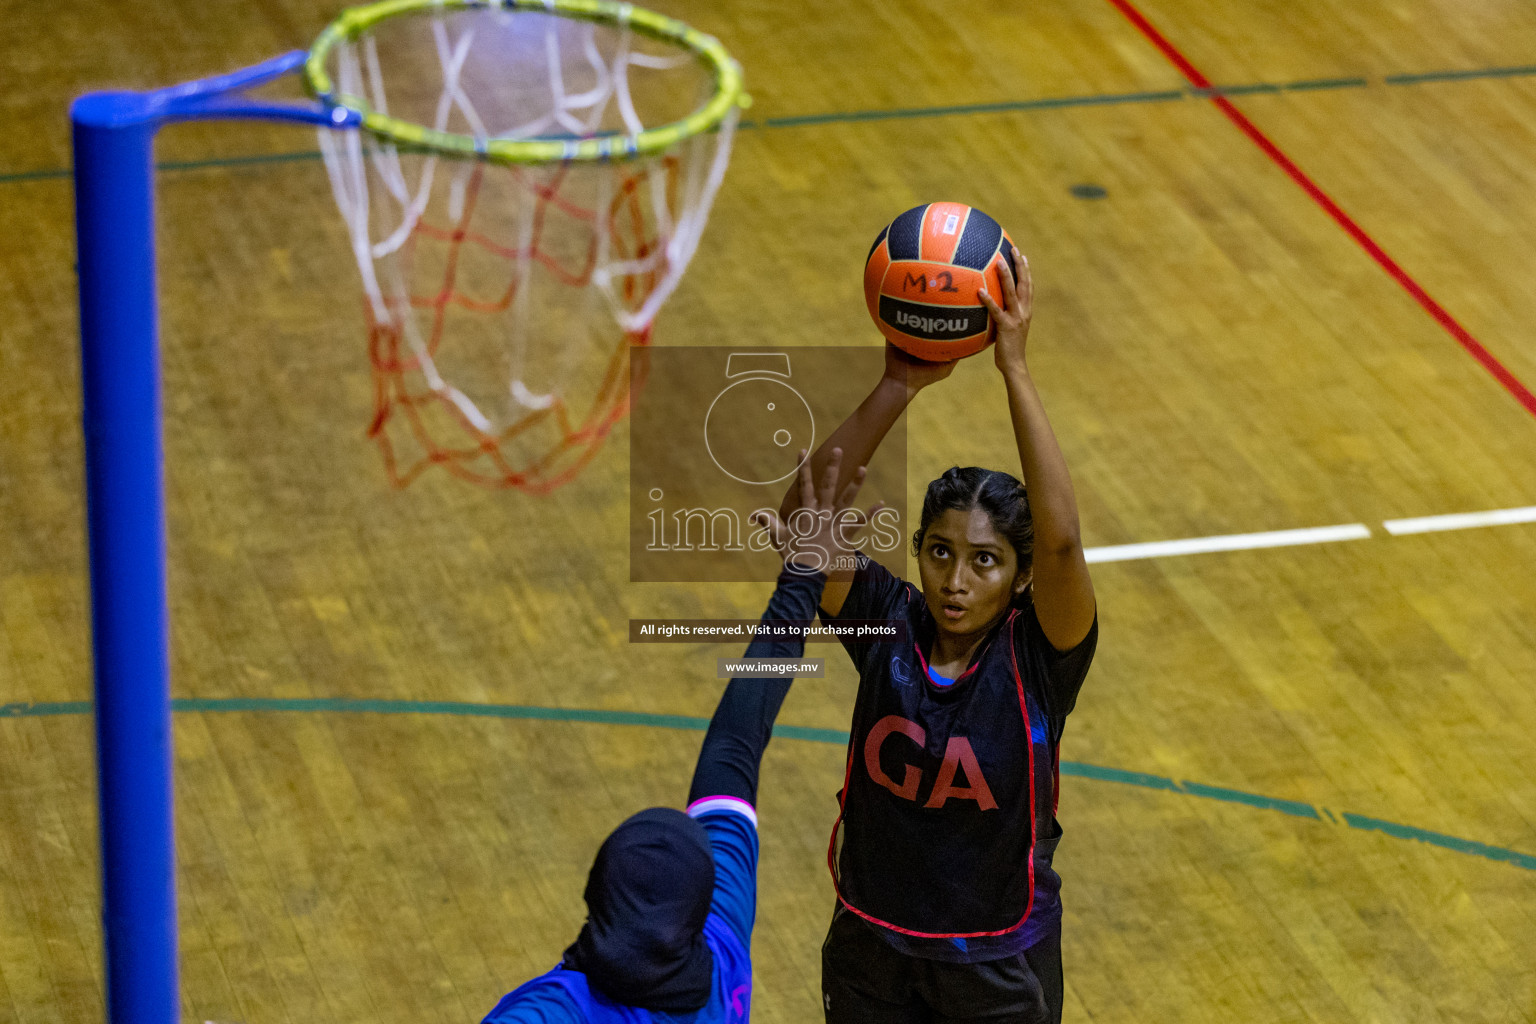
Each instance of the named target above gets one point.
<point>354,21</point>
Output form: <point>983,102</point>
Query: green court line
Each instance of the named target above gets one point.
<point>804,120</point>
<point>1461,76</point>
<point>1236,796</point>
<point>1312,84</point>
<point>794,732</point>
<point>838,737</point>
<point>20,176</point>
<point>239,161</point>
<point>68,707</point>
<point>1232,90</point>
<point>1145,781</point>
<point>901,113</point>
<point>1100,774</point>
<point>1440,839</point>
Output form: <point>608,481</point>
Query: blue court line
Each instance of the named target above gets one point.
<point>837,737</point>
<point>904,113</point>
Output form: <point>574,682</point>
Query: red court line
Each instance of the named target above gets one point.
<point>1442,317</point>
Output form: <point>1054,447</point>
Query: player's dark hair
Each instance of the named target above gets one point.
<point>1000,495</point>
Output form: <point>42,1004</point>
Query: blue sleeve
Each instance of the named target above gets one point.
<point>546,1003</point>
<point>733,838</point>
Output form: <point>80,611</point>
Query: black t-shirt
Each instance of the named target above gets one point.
<point>947,825</point>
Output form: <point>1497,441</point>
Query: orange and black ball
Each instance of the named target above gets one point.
<point>923,274</point>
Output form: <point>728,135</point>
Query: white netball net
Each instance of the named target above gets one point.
<point>504,300</point>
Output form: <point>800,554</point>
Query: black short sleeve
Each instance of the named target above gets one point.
<point>1064,670</point>
<point>875,594</point>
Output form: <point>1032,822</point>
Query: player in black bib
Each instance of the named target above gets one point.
<point>948,907</point>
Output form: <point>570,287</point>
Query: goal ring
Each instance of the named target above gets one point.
<point>608,146</point>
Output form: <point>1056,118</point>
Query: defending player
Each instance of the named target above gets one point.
<point>948,907</point>
<point>672,896</point>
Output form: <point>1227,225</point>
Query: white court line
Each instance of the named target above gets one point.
<point>1461,520</point>
<point>1229,542</point>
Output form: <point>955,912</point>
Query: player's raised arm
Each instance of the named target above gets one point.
<point>1063,590</point>
<point>860,435</point>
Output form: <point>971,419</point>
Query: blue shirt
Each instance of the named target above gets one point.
<point>560,996</point>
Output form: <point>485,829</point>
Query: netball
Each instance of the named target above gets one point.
<point>923,274</point>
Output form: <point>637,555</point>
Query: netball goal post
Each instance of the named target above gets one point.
<point>523,183</point>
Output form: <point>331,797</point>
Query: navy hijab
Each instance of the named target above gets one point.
<point>647,898</point>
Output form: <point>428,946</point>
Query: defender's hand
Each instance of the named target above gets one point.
<point>820,532</point>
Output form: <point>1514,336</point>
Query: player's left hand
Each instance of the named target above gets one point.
<point>913,373</point>
<point>1012,316</point>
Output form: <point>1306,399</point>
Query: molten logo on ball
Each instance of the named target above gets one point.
<point>927,324</point>
<point>919,321</point>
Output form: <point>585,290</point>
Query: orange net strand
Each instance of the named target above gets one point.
<point>439,430</point>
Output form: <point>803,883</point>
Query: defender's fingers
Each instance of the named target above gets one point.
<point>829,480</point>
<point>807,485</point>
<point>773,526</point>
<point>866,516</point>
<point>852,490</point>
<point>847,531</point>
<point>991,303</point>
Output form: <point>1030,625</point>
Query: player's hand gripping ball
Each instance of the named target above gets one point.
<point>922,276</point>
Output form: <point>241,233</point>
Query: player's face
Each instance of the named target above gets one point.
<point>969,571</point>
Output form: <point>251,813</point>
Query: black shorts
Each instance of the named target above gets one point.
<point>865,981</point>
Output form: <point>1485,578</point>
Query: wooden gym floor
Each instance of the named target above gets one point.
<point>1301,781</point>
